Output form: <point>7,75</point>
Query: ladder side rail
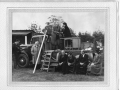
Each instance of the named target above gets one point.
<point>49,62</point>
<point>39,52</point>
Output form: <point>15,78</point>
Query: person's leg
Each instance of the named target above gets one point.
<point>58,68</point>
<point>84,69</point>
<point>74,68</point>
<point>77,68</point>
<point>15,61</point>
<point>64,68</point>
<point>17,55</point>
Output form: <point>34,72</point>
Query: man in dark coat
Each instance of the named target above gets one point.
<point>66,30</point>
<point>71,63</point>
<point>63,62</point>
<point>15,51</point>
<point>82,63</point>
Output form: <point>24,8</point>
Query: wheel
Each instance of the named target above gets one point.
<point>23,61</point>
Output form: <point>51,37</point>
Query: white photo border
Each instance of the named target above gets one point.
<point>9,9</point>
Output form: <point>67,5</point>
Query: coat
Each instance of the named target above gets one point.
<point>72,60</point>
<point>63,58</point>
<point>81,64</point>
<point>34,51</point>
<point>15,48</point>
<point>84,59</point>
<point>97,65</point>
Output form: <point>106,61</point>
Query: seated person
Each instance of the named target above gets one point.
<point>63,62</point>
<point>95,66</point>
<point>71,63</point>
<point>82,63</point>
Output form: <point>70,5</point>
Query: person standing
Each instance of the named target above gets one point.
<point>82,63</point>
<point>34,51</point>
<point>16,51</point>
<point>66,30</point>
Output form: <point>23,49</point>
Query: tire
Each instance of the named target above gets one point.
<point>23,61</point>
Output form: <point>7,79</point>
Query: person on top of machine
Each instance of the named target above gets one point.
<point>66,30</point>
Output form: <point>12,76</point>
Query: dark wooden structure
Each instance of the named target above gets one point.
<point>23,35</point>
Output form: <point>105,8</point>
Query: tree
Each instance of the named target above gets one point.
<point>35,27</point>
<point>55,20</point>
<point>85,37</point>
<point>99,36</point>
<point>73,34</point>
<point>56,23</point>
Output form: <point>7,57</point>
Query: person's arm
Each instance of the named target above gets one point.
<point>79,59</point>
<point>74,60</point>
<point>19,48</point>
<point>60,60</point>
<point>86,59</point>
<point>32,50</point>
<point>98,60</point>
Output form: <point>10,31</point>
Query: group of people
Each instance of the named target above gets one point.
<point>67,62</point>
<point>81,65</point>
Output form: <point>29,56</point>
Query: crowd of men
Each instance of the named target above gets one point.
<point>69,64</point>
<point>81,65</point>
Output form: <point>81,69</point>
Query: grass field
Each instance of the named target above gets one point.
<point>26,75</point>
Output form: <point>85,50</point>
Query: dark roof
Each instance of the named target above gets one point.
<point>21,32</point>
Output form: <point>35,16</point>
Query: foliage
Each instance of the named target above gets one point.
<point>96,36</point>
<point>85,37</point>
<point>35,27</point>
<point>99,36</point>
<point>56,21</point>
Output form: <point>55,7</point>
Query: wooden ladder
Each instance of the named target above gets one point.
<point>48,63</point>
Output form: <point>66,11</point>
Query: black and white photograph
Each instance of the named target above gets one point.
<point>58,46</point>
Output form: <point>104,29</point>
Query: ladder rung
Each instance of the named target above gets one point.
<point>53,61</point>
<point>47,58</point>
<point>44,68</point>
<point>46,61</point>
<point>54,64</point>
<point>45,65</point>
<point>48,54</point>
<point>42,60</point>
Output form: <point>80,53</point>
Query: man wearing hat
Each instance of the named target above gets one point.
<point>82,63</point>
<point>15,51</point>
<point>34,51</point>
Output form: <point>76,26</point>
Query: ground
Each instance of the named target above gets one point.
<point>26,75</point>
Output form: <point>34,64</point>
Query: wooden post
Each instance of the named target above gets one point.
<point>39,52</point>
<point>25,40</point>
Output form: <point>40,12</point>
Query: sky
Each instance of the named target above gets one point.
<point>78,21</point>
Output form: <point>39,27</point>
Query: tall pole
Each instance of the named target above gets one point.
<point>39,52</point>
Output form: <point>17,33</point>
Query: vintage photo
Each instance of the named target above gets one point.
<point>58,46</point>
